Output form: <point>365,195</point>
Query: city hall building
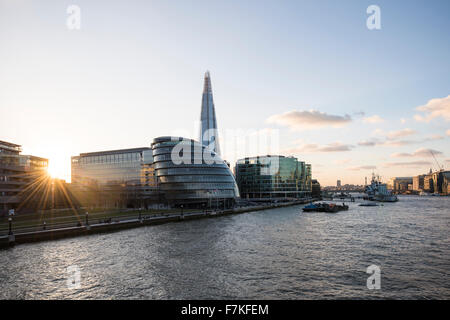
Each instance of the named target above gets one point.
<point>193,181</point>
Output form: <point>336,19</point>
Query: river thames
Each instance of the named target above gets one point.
<point>273,254</point>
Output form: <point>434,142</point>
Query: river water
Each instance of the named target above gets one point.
<point>273,254</point>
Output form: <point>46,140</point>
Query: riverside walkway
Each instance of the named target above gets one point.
<point>133,220</point>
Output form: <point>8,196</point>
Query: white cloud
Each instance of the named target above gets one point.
<point>369,143</point>
<point>398,143</point>
<point>378,132</point>
<point>362,168</point>
<point>413,164</point>
<point>435,108</point>
<point>422,152</point>
<point>400,133</point>
<point>434,137</point>
<point>301,120</point>
<point>387,142</point>
<point>391,139</point>
<point>315,148</point>
<point>403,120</point>
<point>447,132</point>
<point>373,119</point>
<point>343,161</point>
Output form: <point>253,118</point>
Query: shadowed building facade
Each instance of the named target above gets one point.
<point>115,178</point>
<point>23,179</point>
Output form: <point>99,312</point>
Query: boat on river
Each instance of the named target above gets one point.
<point>378,191</point>
<point>368,204</point>
<point>325,207</point>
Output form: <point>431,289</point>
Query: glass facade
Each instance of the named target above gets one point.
<point>116,178</point>
<point>192,182</point>
<point>208,131</point>
<point>273,177</point>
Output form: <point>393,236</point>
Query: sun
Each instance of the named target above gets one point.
<point>57,170</point>
<point>52,172</point>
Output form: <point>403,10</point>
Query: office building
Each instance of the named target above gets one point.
<point>115,178</point>
<point>418,183</point>
<point>269,178</point>
<point>446,183</point>
<point>440,182</point>
<point>401,184</point>
<point>23,178</point>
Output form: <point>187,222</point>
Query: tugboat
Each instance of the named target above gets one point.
<point>378,191</point>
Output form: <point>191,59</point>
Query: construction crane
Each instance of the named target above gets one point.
<point>440,168</point>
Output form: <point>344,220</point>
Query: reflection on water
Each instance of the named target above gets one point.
<point>273,254</point>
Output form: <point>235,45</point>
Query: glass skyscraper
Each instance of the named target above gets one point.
<point>208,131</point>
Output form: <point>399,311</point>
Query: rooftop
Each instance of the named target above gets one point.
<point>10,146</point>
<point>102,153</point>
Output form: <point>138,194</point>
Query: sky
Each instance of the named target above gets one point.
<point>309,74</point>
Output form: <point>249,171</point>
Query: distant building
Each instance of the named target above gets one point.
<point>436,182</point>
<point>346,187</point>
<point>400,184</point>
<point>115,178</point>
<point>428,184</point>
<point>446,183</point>
<point>22,178</point>
<point>418,183</point>
<point>440,182</point>
<point>268,178</point>
<point>338,183</point>
<point>315,188</point>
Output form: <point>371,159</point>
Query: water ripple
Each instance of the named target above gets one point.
<point>273,254</point>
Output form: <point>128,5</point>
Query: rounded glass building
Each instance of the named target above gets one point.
<point>190,174</point>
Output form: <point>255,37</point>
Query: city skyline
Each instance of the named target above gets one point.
<point>359,101</point>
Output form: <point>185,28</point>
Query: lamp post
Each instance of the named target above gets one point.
<point>87,218</point>
<point>181,210</point>
<point>10,226</point>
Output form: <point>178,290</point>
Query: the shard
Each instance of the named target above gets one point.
<point>208,131</point>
